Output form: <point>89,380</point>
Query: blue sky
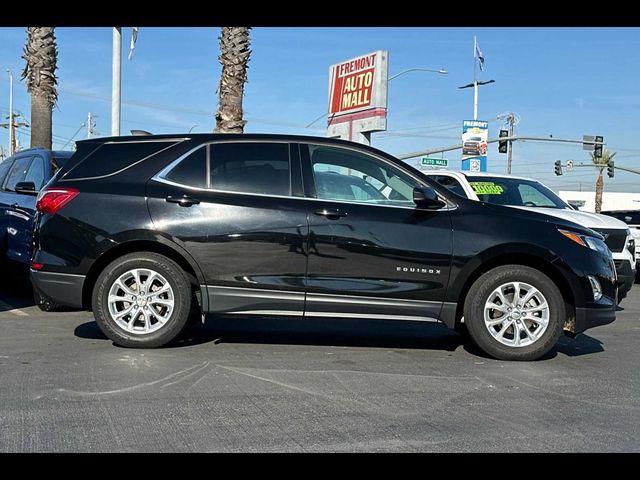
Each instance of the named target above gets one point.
<point>564,82</point>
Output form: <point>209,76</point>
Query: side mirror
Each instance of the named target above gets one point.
<point>426,197</point>
<point>26,188</point>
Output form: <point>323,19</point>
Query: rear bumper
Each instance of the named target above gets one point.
<point>63,288</point>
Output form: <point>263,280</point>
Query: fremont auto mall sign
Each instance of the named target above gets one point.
<point>358,96</point>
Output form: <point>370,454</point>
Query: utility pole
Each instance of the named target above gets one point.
<point>116,81</point>
<point>511,120</point>
<point>12,133</point>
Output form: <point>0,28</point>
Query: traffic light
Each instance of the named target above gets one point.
<point>558,168</point>
<point>610,169</point>
<point>503,144</point>
<point>597,147</point>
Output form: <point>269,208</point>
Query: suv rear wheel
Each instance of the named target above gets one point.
<point>142,300</point>
<point>514,312</point>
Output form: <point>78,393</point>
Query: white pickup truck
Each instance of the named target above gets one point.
<point>526,193</point>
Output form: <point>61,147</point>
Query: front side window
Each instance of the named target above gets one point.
<point>35,173</point>
<point>346,175</point>
<point>18,172</point>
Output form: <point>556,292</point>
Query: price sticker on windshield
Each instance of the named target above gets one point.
<point>486,188</point>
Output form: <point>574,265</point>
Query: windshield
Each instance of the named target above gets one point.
<point>515,192</point>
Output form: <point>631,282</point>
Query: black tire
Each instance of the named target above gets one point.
<point>179,317</point>
<point>45,303</point>
<point>479,294</point>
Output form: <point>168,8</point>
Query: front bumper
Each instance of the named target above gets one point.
<point>62,288</point>
<point>593,317</point>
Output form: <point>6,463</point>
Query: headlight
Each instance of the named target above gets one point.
<point>586,241</point>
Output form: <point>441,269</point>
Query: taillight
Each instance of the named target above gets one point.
<point>50,201</point>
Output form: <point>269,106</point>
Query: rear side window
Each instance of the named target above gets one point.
<point>250,168</point>
<point>191,171</point>
<point>110,158</point>
<point>17,173</point>
<point>4,169</point>
<point>35,173</point>
<point>236,167</point>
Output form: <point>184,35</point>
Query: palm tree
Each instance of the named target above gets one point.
<point>234,56</point>
<point>41,54</point>
<point>601,163</point>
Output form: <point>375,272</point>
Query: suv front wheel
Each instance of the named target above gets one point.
<point>514,312</point>
<point>142,300</point>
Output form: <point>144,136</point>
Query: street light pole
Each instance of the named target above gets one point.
<point>116,80</point>
<point>441,71</point>
<point>475,86</point>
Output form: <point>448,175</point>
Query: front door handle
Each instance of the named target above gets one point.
<point>183,201</point>
<point>330,213</point>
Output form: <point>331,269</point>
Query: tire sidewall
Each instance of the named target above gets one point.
<point>478,296</point>
<point>181,293</point>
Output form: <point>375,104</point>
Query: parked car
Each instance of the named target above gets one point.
<point>21,177</point>
<point>631,218</point>
<point>474,146</point>
<point>145,230</point>
<point>529,194</point>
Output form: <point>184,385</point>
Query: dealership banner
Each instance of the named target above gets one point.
<point>358,94</point>
<point>475,134</point>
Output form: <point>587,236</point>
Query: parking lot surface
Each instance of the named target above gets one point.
<point>299,385</point>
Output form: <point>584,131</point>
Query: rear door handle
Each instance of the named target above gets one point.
<point>330,213</point>
<point>183,201</point>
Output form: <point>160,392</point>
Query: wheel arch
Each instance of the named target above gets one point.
<point>530,259</point>
<point>175,253</point>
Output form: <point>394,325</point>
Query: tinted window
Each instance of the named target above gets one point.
<point>17,173</point>
<point>35,173</point>
<point>250,168</point>
<point>450,183</point>
<point>347,175</point>
<point>113,157</point>
<point>192,170</point>
<point>4,169</point>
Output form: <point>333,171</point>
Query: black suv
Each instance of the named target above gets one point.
<point>148,231</point>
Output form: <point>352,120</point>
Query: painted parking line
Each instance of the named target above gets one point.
<point>10,309</point>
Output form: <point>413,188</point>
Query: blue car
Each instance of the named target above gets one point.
<point>21,177</point>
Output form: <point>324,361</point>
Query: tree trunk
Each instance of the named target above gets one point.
<point>234,57</point>
<point>599,188</point>
<point>41,55</point>
<point>40,121</point>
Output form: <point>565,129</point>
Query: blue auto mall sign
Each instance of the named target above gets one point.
<point>475,134</point>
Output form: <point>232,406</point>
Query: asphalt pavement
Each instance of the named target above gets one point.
<point>299,385</point>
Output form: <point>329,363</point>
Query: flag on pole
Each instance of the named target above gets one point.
<point>134,37</point>
<point>478,54</point>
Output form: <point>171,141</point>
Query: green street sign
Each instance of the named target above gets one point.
<point>435,162</point>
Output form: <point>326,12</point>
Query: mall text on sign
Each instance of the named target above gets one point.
<point>353,84</point>
<point>438,162</point>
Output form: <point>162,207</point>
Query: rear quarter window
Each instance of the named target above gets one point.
<point>111,158</point>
